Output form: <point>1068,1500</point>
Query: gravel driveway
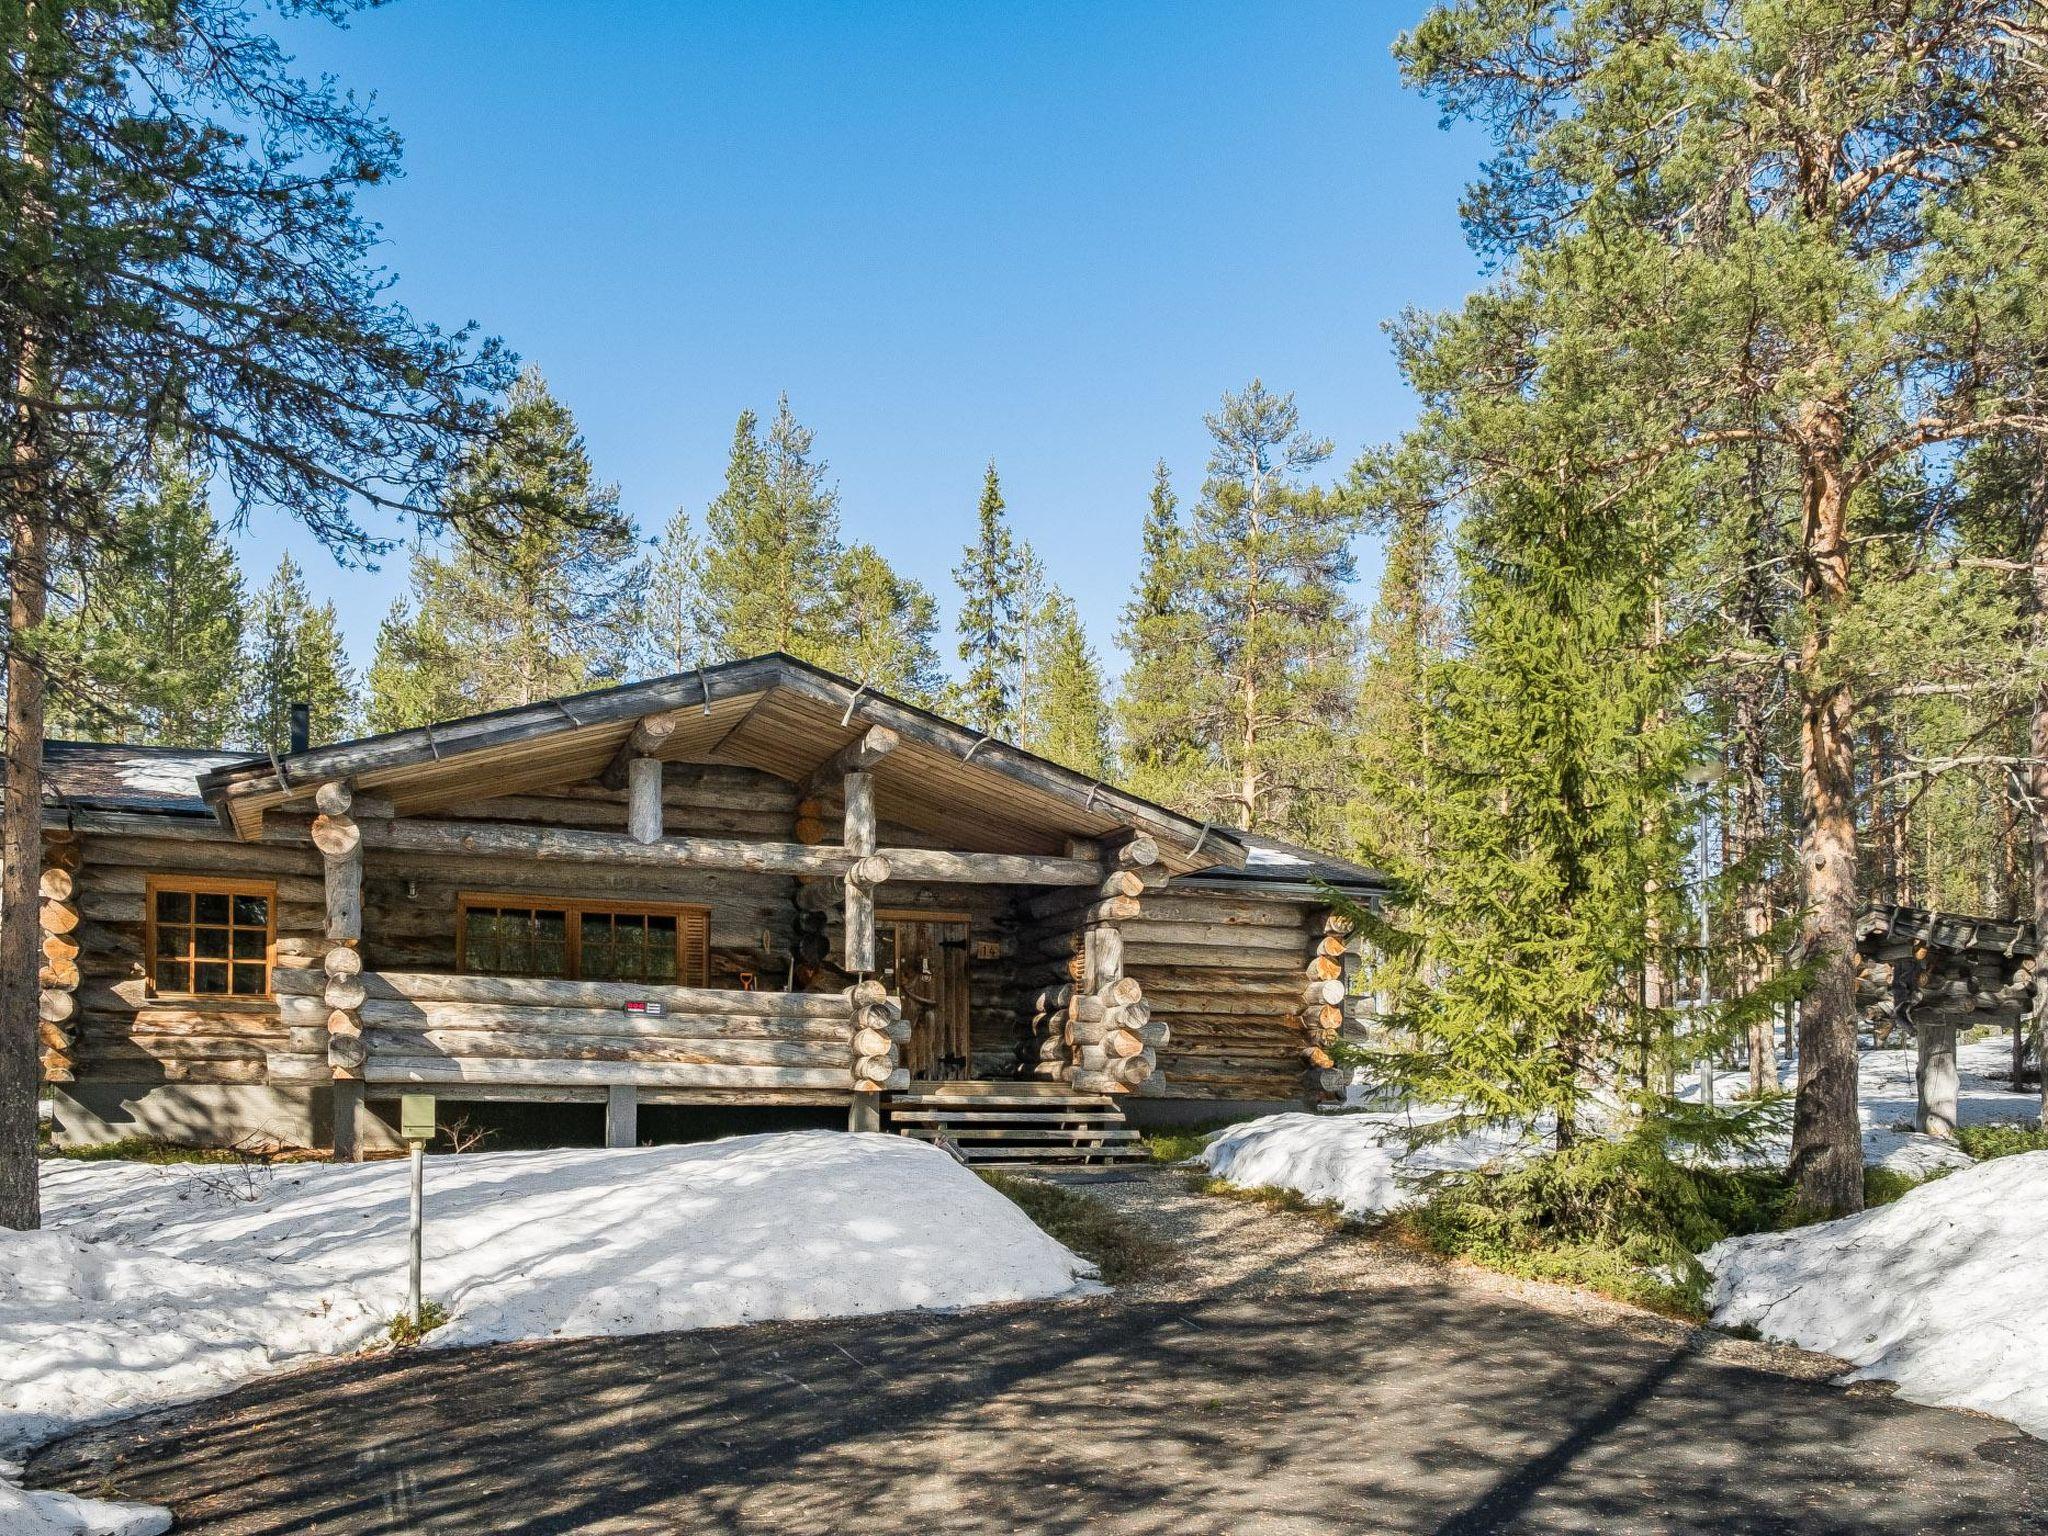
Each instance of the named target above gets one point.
<point>1289,1379</point>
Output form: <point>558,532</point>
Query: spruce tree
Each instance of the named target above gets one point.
<point>888,628</point>
<point>152,651</point>
<point>536,597</point>
<point>1067,712</point>
<point>991,623</point>
<point>294,656</point>
<point>771,546</point>
<point>1161,750</point>
<point>1525,904</point>
<point>674,636</point>
<point>1268,560</point>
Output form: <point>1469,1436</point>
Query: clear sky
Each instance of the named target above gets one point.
<point>1051,234</point>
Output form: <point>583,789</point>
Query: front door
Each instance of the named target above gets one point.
<point>923,960</point>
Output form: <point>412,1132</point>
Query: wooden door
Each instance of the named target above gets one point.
<point>924,961</point>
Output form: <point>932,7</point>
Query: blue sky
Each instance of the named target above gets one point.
<point>1051,234</point>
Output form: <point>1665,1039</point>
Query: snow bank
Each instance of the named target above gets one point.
<point>1363,1163</point>
<point>1940,1291</point>
<point>157,1284</point>
<point>23,1513</point>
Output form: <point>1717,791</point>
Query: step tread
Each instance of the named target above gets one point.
<point>1128,1154</point>
<point>992,1101</point>
<point>1018,1133</point>
<point>1005,1116</point>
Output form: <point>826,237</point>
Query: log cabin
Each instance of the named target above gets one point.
<point>756,884</point>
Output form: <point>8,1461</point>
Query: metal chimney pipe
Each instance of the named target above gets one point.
<point>302,726</point>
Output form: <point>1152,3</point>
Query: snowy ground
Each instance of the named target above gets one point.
<point>1940,1291</point>
<point>152,1284</point>
<point>1363,1162</point>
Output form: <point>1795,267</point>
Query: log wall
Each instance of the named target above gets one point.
<point>1231,978</point>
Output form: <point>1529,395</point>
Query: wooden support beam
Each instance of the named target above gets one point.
<point>644,740</point>
<point>1935,1113</point>
<point>857,756</point>
<point>860,895</point>
<point>348,1131</point>
<point>621,1115</point>
<point>643,800</point>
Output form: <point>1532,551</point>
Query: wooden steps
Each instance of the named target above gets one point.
<point>1018,1124</point>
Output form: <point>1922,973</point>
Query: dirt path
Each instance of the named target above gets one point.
<point>1289,1380</point>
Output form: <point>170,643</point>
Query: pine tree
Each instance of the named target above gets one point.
<point>990,577</point>
<point>1068,715</point>
<point>1162,754</point>
<point>1268,560</point>
<point>152,650</point>
<point>294,656</point>
<point>888,628</point>
<point>771,547</point>
<point>536,598</point>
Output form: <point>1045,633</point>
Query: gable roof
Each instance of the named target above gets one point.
<point>772,713</point>
<point>751,728</point>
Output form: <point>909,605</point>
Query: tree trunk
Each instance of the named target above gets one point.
<point>2037,768</point>
<point>1827,1137</point>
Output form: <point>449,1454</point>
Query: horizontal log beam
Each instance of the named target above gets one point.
<point>569,845</point>
<point>536,991</point>
<point>429,1069</point>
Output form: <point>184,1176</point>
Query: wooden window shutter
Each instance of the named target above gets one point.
<point>694,933</point>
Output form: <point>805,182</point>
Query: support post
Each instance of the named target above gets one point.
<point>621,1115</point>
<point>865,1114</point>
<point>348,1131</point>
<point>1936,1112</point>
<point>860,895</point>
<point>643,799</point>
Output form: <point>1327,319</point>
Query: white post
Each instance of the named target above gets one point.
<point>417,1231</point>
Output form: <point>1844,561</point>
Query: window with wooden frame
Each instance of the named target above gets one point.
<point>208,937</point>
<point>509,935</point>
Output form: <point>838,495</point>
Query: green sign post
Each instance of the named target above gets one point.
<point>416,1125</point>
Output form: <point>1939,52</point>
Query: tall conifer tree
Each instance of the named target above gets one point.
<point>152,651</point>
<point>294,656</point>
<point>1067,713</point>
<point>990,577</point>
<point>1268,559</point>
<point>771,546</point>
<point>889,628</point>
<point>538,595</point>
<point>1162,753</point>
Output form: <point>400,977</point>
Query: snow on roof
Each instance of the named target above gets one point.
<point>109,775</point>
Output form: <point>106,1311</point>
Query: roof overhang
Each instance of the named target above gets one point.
<point>772,713</point>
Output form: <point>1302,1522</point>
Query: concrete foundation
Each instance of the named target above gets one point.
<point>205,1114</point>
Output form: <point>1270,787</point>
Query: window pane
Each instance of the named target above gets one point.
<point>249,980</point>
<point>212,978</point>
<point>174,906</point>
<point>661,961</point>
<point>210,943</point>
<point>210,906</point>
<point>253,910</point>
<point>250,943</point>
<point>172,940</point>
<point>599,954</point>
<point>170,976</point>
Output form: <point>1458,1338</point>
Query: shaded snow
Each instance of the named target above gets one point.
<point>44,1513</point>
<point>155,1284</point>
<point>1363,1163</point>
<point>1941,1291</point>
